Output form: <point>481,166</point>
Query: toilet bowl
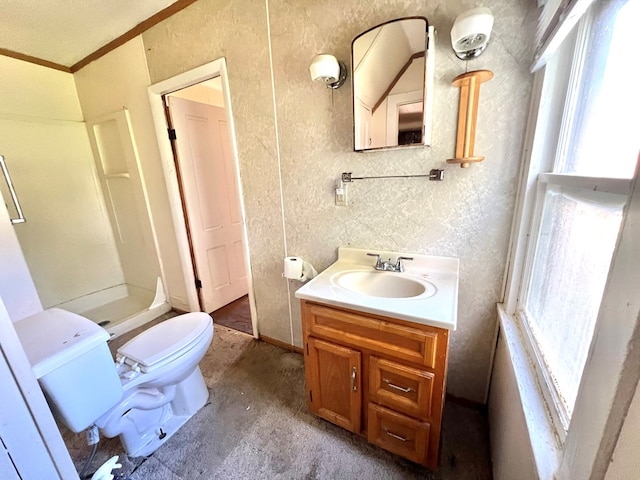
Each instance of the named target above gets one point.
<point>152,389</point>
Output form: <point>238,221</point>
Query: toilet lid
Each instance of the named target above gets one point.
<point>165,339</point>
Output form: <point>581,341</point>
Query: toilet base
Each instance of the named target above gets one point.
<point>144,426</point>
<point>143,446</point>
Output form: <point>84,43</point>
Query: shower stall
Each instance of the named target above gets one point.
<point>88,237</point>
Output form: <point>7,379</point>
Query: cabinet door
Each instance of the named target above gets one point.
<point>334,383</point>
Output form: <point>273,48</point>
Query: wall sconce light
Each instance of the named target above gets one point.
<point>328,69</point>
<point>471,32</point>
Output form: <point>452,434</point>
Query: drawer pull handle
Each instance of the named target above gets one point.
<point>397,437</point>
<point>396,387</point>
<point>354,387</point>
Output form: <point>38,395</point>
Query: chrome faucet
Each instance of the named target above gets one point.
<point>389,266</point>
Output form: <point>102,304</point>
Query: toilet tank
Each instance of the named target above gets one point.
<point>70,358</point>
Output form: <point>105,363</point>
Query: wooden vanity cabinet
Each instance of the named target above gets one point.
<point>377,376</point>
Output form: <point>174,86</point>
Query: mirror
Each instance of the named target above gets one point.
<point>392,75</point>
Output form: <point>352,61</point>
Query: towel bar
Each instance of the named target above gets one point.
<point>12,191</point>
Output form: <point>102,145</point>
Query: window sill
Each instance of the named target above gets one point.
<point>545,444</point>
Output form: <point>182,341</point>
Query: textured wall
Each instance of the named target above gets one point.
<point>466,216</point>
<point>205,31</point>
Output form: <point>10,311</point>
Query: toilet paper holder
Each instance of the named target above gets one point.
<point>295,268</point>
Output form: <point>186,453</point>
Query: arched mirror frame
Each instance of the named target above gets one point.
<point>363,141</point>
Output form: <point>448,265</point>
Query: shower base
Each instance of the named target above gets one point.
<point>121,308</point>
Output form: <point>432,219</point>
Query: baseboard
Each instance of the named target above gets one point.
<point>466,403</point>
<point>278,343</point>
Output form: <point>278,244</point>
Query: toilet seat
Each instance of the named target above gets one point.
<point>161,344</point>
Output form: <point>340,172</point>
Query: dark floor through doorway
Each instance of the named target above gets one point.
<point>235,315</point>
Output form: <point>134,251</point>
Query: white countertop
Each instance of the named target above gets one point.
<point>439,310</point>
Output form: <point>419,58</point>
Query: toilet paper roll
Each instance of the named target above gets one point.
<point>293,267</point>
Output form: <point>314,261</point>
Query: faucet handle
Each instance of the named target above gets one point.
<point>399,265</point>
<point>378,261</point>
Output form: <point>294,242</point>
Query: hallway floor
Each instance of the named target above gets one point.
<point>256,426</point>
<point>235,315</point>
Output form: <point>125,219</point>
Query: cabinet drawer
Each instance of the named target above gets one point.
<point>402,388</point>
<point>397,433</point>
<point>374,333</point>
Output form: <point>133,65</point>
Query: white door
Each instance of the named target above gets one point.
<point>210,193</point>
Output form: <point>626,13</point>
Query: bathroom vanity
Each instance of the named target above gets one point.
<point>375,347</point>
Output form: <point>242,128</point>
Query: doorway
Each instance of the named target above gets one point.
<point>206,191</point>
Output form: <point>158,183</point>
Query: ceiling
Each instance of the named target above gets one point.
<point>66,31</point>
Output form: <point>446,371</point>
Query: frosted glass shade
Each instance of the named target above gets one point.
<point>325,67</point>
<point>471,32</point>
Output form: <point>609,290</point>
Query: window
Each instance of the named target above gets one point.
<point>585,150</point>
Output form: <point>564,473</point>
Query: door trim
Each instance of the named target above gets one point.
<point>156,91</point>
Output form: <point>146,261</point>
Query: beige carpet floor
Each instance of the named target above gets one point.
<point>256,426</point>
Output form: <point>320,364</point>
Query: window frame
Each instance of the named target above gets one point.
<point>541,153</point>
<point>545,180</point>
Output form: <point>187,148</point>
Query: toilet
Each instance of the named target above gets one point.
<point>152,389</point>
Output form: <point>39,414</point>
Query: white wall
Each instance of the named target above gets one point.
<point>202,94</point>
<point>67,240</point>
<point>412,79</point>
<point>16,285</point>
<point>30,90</point>
<point>511,454</point>
<point>624,463</point>
<point>378,125</point>
<point>116,80</point>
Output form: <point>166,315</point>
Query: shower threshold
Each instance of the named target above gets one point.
<point>121,308</point>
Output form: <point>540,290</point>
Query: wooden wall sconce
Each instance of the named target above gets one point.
<point>469,84</point>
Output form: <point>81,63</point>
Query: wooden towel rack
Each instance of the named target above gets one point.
<point>469,84</point>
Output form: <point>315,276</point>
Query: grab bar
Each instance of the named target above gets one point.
<point>12,191</point>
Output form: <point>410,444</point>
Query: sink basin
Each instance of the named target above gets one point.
<point>383,284</point>
<point>426,293</point>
